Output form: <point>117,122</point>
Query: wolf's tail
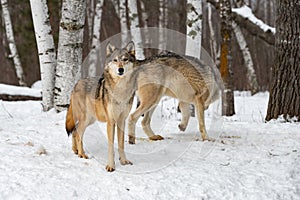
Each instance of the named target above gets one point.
<point>70,122</point>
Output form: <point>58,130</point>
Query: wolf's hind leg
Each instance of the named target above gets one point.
<point>200,114</point>
<point>185,112</point>
<point>74,142</point>
<point>79,136</point>
<point>146,125</point>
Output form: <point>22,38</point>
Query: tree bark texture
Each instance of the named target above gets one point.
<point>96,39</point>
<point>135,31</point>
<point>46,50</point>
<point>194,28</point>
<point>69,56</point>
<point>285,91</point>
<point>251,75</point>
<point>226,59</point>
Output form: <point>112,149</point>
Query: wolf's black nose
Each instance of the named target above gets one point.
<point>121,70</point>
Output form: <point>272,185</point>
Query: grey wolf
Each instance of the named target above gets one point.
<point>185,78</point>
<point>106,99</point>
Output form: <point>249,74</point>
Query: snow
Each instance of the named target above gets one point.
<point>17,90</point>
<point>251,159</point>
<point>247,13</point>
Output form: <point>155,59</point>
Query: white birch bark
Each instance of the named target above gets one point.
<point>194,28</point>
<point>11,43</point>
<point>46,50</point>
<point>123,22</point>
<point>69,55</point>
<point>135,31</point>
<point>252,80</point>
<point>96,38</point>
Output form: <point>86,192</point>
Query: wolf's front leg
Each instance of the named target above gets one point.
<point>131,128</point>
<point>201,120</point>
<point>110,136</point>
<point>121,127</point>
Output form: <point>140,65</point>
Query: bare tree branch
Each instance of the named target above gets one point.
<point>253,29</point>
<point>267,36</point>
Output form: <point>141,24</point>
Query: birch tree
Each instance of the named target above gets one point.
<point>11,43</point>
<point>194,28</point>
<point>46,50</point>
<point>285,91</point>
<point>69,55</point>
<point>251,75</point>
<point>135,31</point>
<point>252,80</point>
<point>96,38</point>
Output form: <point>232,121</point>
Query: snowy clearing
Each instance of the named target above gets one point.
<point>250,160</point>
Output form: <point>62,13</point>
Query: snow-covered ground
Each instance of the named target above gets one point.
<point>250,159</point>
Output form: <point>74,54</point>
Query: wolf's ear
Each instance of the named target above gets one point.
<point>130,48</point>
<point>109,49</point>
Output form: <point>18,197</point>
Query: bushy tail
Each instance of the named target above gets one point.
<point>70,122</point>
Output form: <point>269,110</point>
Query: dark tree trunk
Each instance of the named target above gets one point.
<point>285,91</point>
<point>226,58</point>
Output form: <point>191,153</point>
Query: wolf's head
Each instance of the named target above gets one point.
<point>119,61</point>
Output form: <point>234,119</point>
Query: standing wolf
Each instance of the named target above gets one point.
<point>108,99</point>
<point>182,77</point>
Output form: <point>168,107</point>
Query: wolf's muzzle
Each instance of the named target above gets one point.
<point>121,71</point>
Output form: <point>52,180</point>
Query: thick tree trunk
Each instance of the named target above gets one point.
<point>46,50</point>
<point>69,56</point>
<point>226,58</point>
<point>285,92</point>
<point>11,43</point>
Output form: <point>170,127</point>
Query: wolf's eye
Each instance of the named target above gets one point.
<point>115,60</point>
<point>125,59</point>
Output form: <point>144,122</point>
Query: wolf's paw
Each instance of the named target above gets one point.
<point>75,151</point>
<point>131,139</point>
<point>82,155</point>
<point>205,139</point>
<point>181,127</point>
<point>156,137</point>
<point>110,168</point>
<point>125,162</point>
<point>208,139</point>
